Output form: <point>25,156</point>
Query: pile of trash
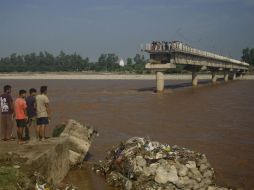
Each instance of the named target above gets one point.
<point>140,163</point>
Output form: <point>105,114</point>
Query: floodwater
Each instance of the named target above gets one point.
<point>217,120</point>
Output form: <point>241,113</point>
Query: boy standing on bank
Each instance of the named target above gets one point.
<point>43,112</point>
<point>7,108</point>
<point>20,113</point>
<point>31,112</point>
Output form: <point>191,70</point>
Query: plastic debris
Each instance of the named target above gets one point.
<point>140,163</point>
<point>16,166</point>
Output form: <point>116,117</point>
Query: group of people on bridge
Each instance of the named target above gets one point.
<point>160,46</point>
<point>27,111</point>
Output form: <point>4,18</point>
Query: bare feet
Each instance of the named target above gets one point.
<point>22,142</point>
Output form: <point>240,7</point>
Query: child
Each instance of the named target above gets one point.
<point>7,108</point>
<point>21,117</point>
<point>43,112</point>
<point>31,112</point>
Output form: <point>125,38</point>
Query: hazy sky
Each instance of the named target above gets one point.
<point>92,27</point>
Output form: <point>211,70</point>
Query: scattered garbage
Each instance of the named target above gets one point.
<point>141,164</point>
<point>16,166</point>
<point>42,184</point>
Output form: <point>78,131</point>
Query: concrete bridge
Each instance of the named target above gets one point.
<point>166,55</point>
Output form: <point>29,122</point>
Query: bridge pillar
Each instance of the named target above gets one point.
<point>214,77</point>
<point>194,78</point>
<point>160,81</point>
<point>234,76</point>
<point>225,76</point>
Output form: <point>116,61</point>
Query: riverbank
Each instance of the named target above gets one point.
<point>50,159</point>
<point>106,76</point>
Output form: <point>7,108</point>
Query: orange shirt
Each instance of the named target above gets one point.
<point>20,108</point>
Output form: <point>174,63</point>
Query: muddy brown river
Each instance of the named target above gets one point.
<point>217,120</point>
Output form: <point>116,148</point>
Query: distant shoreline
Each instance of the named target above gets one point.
<point>105,76</point>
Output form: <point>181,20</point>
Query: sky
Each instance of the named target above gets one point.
<point>92,27</point>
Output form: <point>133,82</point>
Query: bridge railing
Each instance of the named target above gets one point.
<point>177,46</point>
<point>156,46</point>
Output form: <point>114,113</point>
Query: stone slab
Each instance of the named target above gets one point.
<point>49,158</point>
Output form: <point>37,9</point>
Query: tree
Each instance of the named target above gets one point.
<point>107,62</point>
<point>45,61</point>
<point>248,55</point>
<point>138,59</point>
<point>140,62</point>
<point>251,56</point>
<point>129,61</point>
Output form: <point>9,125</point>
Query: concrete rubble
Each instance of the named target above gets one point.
<point>45,163</point>
<point>141,164</point>
<point>79,140</point>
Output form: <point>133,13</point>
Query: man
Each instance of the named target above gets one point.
<point>43,112</point>
<point>7,108</point>
<point>20,113</point>
<point>31,112</point>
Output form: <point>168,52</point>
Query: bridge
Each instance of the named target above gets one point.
<point>166,55</point>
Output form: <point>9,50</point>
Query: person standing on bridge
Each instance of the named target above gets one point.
<point>7,109</point>
<point>166,46</point>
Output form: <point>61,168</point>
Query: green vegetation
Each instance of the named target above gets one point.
<point>248,55</point>
<point>8,178</point>
<point>13,179</point>
<point>46,62</point>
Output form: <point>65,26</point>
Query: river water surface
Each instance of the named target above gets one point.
<point>217,120</point>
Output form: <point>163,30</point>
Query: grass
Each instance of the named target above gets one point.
<point>8,178</point>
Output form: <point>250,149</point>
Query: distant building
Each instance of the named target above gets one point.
<point>121,62</point>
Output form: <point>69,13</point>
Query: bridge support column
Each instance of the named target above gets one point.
<point>234,76</point>
<point>214,77</point>
<point>159,81</point>
<point>194,78</point>
<point>225,76</point>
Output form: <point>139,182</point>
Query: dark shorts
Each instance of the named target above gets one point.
<point>21,122</point>
<point>42,121</point>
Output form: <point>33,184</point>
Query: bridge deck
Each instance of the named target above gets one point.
<point>178,53</point>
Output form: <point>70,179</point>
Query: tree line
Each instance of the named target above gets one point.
<point>47,62</point>
<point>248,56</point>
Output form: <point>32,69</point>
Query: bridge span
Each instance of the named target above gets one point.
<point>166,55</point>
